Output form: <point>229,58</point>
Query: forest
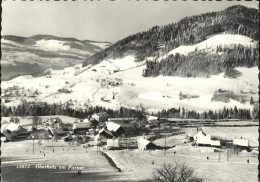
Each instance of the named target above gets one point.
<point>190,30</point>
<point>44,109</point>
<point>202,63</point>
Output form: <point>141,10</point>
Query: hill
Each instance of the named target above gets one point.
<point>219,70</point>
<point>160,40</point>
<point>32,55</point>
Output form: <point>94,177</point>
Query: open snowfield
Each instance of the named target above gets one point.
<point>138,164</point>
<point>94,166</point>
<point>96,85</point>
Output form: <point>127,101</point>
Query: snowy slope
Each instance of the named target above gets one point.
<point>211,43</point>
<point>122,80</point>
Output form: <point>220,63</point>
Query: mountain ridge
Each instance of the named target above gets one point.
<point>187,31</point>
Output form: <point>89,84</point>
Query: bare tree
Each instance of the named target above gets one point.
<point>175,173</point>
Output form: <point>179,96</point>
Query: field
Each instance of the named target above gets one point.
<point>138,164</point>
<point>15,154</point>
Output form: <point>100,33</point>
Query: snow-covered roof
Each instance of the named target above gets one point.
<point>152,118</point>
<point>82,125</point>
<point>13,127</point>
<point>143,141</point>
<point>240,142</point>
<point>111,126</point>
<point>215,143</point>
<point>202,138</point>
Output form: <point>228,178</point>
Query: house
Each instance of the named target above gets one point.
<point>14,131</point>
<point>215,143</point>
<point>152,121</point>
<point>144,144</point>
<point>100,117</point>
<point>201,138</point>
<point>190,135</point>
<point>111,130</point>
<point>243,143</point>
<point>81,127</point>
<point>111,143</point>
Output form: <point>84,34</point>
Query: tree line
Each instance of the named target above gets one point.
<point>44,109</point>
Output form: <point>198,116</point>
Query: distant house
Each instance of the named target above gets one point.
<point>243,143</point>
<point>81,127</point>
<point>14,131</point>
<point>202,139</point>
<point>112,130</point>
<point>55,126</point>
<point>215,143</point>
<point>113,143</point>
<point>152,121</point>
<point>190,135</point>
<point>144,144</point>
<point>100,117</point>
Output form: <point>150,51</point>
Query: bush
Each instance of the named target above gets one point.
<point>174,173</point>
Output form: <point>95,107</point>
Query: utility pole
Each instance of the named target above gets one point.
<point>227,154</point>
<point>165,146</point>
<point>219,156</point>
<point>33,143</point>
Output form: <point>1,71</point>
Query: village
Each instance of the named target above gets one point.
<point>99,134</point>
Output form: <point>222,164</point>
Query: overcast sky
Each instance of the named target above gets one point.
<point>99,20</point>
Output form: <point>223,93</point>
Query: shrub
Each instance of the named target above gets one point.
<point>174,173</point>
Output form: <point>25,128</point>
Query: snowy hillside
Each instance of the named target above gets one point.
<point>119,82</point>
<point>224,40</point>
<point>32,55</point>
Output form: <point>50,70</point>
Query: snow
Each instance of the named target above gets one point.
<point>136,91</point>
<point>241,142</point>
<point>12,127</point>
<point>111,126</point>
<point>143,141</point>
<point>102,45</point>
<point>52,45</point>
<point>213,42</point>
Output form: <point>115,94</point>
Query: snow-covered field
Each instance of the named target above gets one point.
<point>119,82</point>
<point>138,165</point>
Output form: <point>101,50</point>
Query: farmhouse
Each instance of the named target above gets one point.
<point>144,144</point>
<point>14,131</point>
<point>202,138</point>
<point>100,117</point>
<point>111,130</point>
<point>152,121</point>
<point>81,127</point>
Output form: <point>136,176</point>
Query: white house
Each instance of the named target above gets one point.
<point>144,144</point>
<point>100,117</point>
<point>240,142</point>
<point>215,143</point>
<point>202,138</point>
<point>112,143</point>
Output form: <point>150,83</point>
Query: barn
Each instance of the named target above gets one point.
<point>144,144</point>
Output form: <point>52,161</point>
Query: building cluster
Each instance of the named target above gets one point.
<point>16,91</point>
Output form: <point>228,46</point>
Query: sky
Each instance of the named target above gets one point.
<point>100,20</point>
